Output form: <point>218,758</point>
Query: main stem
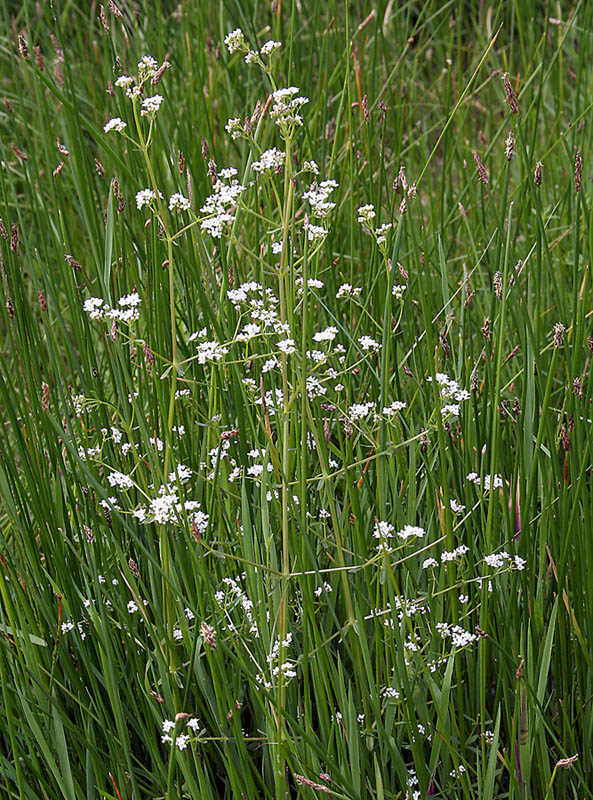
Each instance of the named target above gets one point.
<point>286,214</point>
<point>163,532</point>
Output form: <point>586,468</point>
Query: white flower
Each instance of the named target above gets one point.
<point>124,81</point>
<point>317,196</point>
<point>397,405</point>
<point>286,107</point>
<point>316,232</point>
<point>132,299</point>
<point>366,213</point>
<point>132,607</point>
<point>178,201</point>
<point>272,159</point>
<point>120,479</point>
<point>398,290</point>
<point>147,66</point>
<point>150,105</point>
<point>269,47</point>
<point>360,410</point>
<point>181,741</point>
<point>367,343</point>
<point>94,307</point>
<point>310,166</point>
<point>144,198</point>
<point>234,126</point>
<point>286,346</point>
<point>177,634</point>
<point>326,335</point>
<point>210,351</point>
<point>411,530</point>
<point>235,40</point>
<point>115,124</point>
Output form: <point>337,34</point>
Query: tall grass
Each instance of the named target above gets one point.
<point>288,512</point>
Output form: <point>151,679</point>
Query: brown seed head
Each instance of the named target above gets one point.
<point>160,72</point>
<point>23,49</point>
<point>537,175</point>
<point>72,262</point>
<point>567,762</point>
<point>133,568</point>
<point>482,174</point>
<point>486,332</point>
<point>38,57</point>
<point>558,334</point>
<point>565,439</point>
<point>88,532</point>
<point>19,153</point>
<point>44,396</point>
<point>510,94</point>
<point>14,238</point>
<point>208,634</point>
<point>319,787</point>
<point>103,18</point>
<point>58,169</point>
<point>365,109</point>
<point>498,285</point>
<point>509,149</point>
<point>114,9</point>
<point>42,300</point>
<point>578,171</point>
<point>63,150</point>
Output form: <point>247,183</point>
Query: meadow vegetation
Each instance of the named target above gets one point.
<point>295,342</point>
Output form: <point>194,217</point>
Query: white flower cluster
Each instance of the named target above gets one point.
<point>451,555</point>
<point>347,290</point>
<point>120,479</point>
<point>391,410</point>
<point>368,343</point>
<point>497,560</point>
<point>150,105</point>
<point>449,388</point>
<point>179,202</point>
<point>326,335</point>
<point>147,69</point>
<point>115,124</point>
<point>182,740</point>
<point>366,214</point>
<point>317,196</point>
<point>490,481</point>
<point>167,508</point>
<point>359,411</point>
<point>235,40</point>
<point>285,109</point>
<point>210,351</point>
<point>382,231</point>
<point>128,310</point>
<point>459,636</point>
<point>270,160</point>
<point>145,197</point>
<point>235,597</point>
<point>219,204</point>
